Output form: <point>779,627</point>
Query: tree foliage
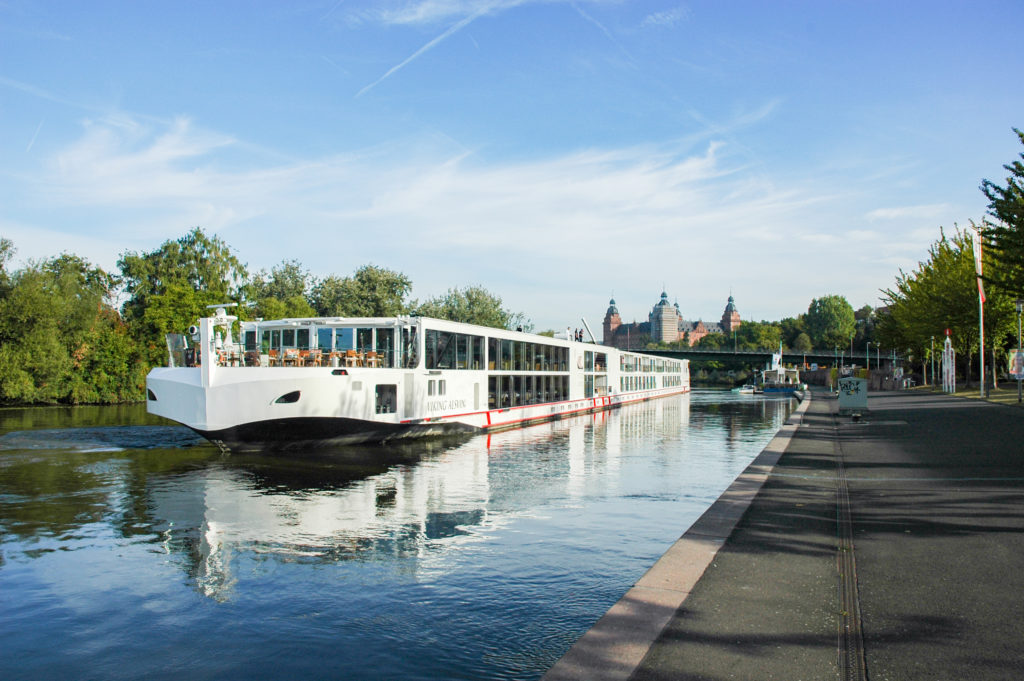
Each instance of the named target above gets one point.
<point>712,341</point>
<point>472,305</point>
<point>281,293</point>
<point>60,339</point>
<point>830,322</point>
<point>169,288</point>
<point>1005,237</point>
<point>758,336</point>
<point>942,294</point>
<point>371,292</point>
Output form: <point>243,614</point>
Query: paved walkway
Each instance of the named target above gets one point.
<point>887,549</point>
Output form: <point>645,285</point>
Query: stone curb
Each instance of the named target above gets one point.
<point>616,645</point>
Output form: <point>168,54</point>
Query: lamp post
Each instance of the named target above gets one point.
<point>867,355</point>
<point>933,360</point>
<point>1020,307</point>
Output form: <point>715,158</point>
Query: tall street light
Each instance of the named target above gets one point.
<point>867,355</point>
<point>932,355</point>
<point>1020,306</point>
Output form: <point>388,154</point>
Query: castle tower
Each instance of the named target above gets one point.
<point>664,321</point>
<point>731,317</point>
<point>612,321</point>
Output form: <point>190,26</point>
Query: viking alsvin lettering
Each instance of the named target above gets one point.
<point>445,405</point>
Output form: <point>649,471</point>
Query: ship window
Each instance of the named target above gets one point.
<point>504,399</point>
<point>275,340</point>
<point>492,353</point>
<point>288,398</point>
<point>250,341</point>
<point>440,349</point>
<point>364,340</point>
<point>150,395</point>
<point>323,338</point>
<point>344,339</point>
<point>430,388</point>
<point>385,345</point>
<point>440,387</point>
<point>288,338</point>
<point>506,355</point>
<point>477,352</point>
<point>387,398</point>
<point>302,338</point>
<point>410,352</point>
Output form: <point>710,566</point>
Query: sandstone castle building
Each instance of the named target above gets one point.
<point>665,324</point>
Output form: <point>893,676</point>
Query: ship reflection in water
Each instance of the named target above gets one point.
<point>418,501</point>
<point>483,557</point>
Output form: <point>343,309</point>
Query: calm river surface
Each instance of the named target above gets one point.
<point>130,548</point>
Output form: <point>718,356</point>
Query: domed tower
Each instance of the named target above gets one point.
<point>612,321</point>
<point>664,321</point>
<point>730,318</point>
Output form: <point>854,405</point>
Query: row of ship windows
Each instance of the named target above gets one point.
<point>517,391</point>
<point>659,365</point>
<point>448,350</point>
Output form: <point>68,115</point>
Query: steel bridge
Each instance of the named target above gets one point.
<point>761,357</point>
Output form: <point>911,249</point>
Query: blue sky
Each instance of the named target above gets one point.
<point>555,152</point>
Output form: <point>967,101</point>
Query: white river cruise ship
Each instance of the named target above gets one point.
<point>294,384</point>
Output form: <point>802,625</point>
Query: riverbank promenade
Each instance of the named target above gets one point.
<point>891,547</point>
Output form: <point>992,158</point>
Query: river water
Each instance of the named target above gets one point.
<point>130,548</point>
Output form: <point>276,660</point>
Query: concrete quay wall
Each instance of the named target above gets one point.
<point>615,646</point>
<point>884,548</point>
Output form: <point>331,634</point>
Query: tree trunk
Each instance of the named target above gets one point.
<point>995,372</point>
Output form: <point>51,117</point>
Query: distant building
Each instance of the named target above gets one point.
<point>665,324</point>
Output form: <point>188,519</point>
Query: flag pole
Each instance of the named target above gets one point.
<point>981,302</point>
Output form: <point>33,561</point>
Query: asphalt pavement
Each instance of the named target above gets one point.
<point>888,548</point>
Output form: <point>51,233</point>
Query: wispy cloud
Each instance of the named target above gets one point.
<point>32,141</point>
<point>667,18</point>
<point>588,219</point>
<point>918,212</point>
<point>458,26</point>
<point>435,11</point>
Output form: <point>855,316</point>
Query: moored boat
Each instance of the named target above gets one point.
<point>781,379</point>
<point>308,382</point>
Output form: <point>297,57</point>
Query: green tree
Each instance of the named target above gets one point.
<point>473,305</point>
<point>1005,237</point>
<point>60,339</point>
<point>864,329</point>
<point>713,341</point>
<point>802,343</point>
<point>371,292</point>
<point>791,328</point>
<point>281,293</point>
<point>942,293</point>
<point>6,253</point>
<point>169,288</point>
<point>830,322</point>
<point>758,336</point>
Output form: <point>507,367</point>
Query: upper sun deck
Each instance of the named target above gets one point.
<point>398,342</point>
